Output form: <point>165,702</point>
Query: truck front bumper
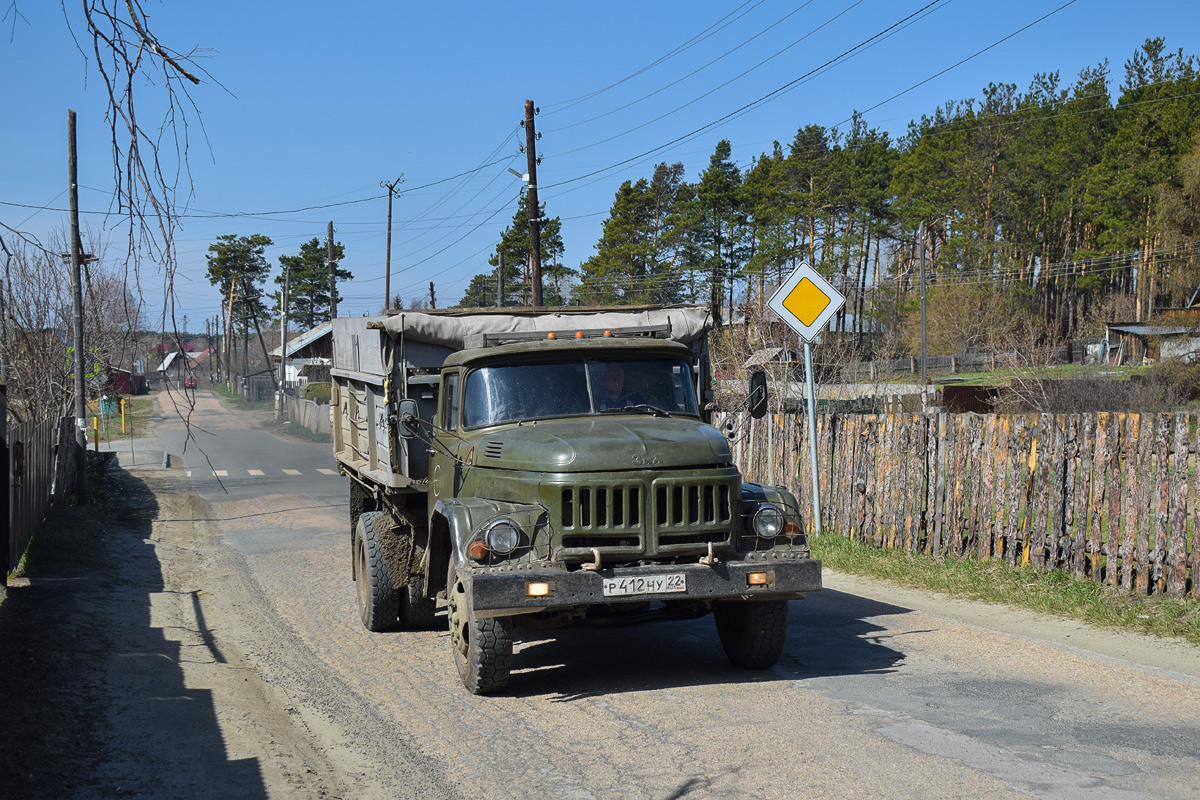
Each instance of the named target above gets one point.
<point>508,591</point>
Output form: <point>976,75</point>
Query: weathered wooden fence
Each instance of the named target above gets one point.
<point>1112,497</point>
<point>31,464</point>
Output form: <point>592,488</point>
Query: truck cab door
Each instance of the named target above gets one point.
<point>445,455</point>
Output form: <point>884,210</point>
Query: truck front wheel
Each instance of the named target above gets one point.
<point>752,632</point>
<point>378,602</point>
<point>482,647</point>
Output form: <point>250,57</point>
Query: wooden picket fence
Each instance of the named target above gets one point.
<point>1110,497</point>
<point>31,486</point>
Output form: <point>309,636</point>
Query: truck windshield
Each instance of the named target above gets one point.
<point>518,392</point>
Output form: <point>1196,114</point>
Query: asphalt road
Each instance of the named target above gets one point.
<point>880,692</point>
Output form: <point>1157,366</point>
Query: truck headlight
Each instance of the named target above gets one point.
<point>767,522</point>
<point>502,536</point>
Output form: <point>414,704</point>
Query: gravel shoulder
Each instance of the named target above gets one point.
<point>124,672</point>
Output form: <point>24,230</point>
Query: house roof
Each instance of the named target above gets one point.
<point>305,339</point>
<point>1153,330</point>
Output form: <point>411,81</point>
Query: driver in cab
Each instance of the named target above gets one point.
<point>612,388</point>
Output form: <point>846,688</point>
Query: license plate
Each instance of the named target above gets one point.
<point>650,584</point>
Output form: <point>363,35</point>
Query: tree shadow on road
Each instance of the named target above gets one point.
<point>94,699</point>
<point>829,633</point>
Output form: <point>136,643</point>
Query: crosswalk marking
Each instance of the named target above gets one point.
<point>258,473</point>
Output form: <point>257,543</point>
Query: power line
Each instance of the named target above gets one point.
<point>698,70</point>
<point>715,88</point>
<point>563,105</point>
<point>844,54</point>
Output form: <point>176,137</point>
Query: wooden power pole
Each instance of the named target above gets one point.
<point>332,273</point>
<point>81,484</point>
<point>535,233</point>
<point>387,281</point>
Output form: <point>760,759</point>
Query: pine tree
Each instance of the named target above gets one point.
<point>308,281</point>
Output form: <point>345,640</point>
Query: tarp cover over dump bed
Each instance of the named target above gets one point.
<point>456,330</point>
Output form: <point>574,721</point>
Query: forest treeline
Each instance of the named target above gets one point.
<point>1056,204</point>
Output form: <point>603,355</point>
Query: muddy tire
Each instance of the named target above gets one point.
<point>416,611</point>
<point>360,502</point>
<point>378,602</point>
<point>752,633</point>
<point>482,647</point>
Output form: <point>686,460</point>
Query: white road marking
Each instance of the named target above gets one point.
<point>220,473</point>
<point>257,472</point>
<point>324,471</point>
<point>291,472</point>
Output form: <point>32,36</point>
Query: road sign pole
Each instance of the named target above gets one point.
<point>806,301</point>
<point>812,435</point>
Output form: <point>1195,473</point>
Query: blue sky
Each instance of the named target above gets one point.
<point>317,104</point>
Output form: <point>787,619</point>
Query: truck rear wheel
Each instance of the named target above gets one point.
<point>416,610</point>
<point>378,602</point>
<point>752,632</point>
<point>482,647</point>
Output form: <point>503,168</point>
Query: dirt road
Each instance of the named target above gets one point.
<point>181,647</point>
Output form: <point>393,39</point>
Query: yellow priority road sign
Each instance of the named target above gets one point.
<point>806,301</point>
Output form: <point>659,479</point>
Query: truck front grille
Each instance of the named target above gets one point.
<point>602,507</point>
<point>668,514</point>
<point>679,504</point>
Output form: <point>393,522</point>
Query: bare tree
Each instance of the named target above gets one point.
<point>150,111</point>
<point>36,344</point>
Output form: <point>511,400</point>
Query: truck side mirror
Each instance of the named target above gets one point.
<point>410,415</point>
<point>758,394</point>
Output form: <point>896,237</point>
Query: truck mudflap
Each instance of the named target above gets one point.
<point>497,592</point>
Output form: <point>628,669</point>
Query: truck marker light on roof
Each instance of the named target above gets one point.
<point>608,333</point>
<point>578,334</point>
<point>551,335</point>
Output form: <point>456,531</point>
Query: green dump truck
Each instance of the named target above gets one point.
<point>551,468</point>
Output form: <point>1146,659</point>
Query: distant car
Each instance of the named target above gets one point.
<point>189,382</point>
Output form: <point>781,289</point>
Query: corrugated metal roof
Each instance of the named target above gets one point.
<point>305,339</point>
<point>1153,330</point>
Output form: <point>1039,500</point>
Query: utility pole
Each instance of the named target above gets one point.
<point>387,281</point>
<point>500,282</point>
<point>332,274</point>
<point>229,339</point>
<point>245,338</point>
<point>432,296</point>
<point>81,484</point>
<point>283,333</point>
<point>924,375</point>
<point>535,234</point>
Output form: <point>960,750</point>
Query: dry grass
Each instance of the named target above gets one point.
<point>1054,593</point>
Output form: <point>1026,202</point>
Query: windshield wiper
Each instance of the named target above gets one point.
<point>643,408</point>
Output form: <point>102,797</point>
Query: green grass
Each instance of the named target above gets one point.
<point>1054,593</point>
<point>235,400</point>
<point>138,411</point>
<point>298,431</point>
